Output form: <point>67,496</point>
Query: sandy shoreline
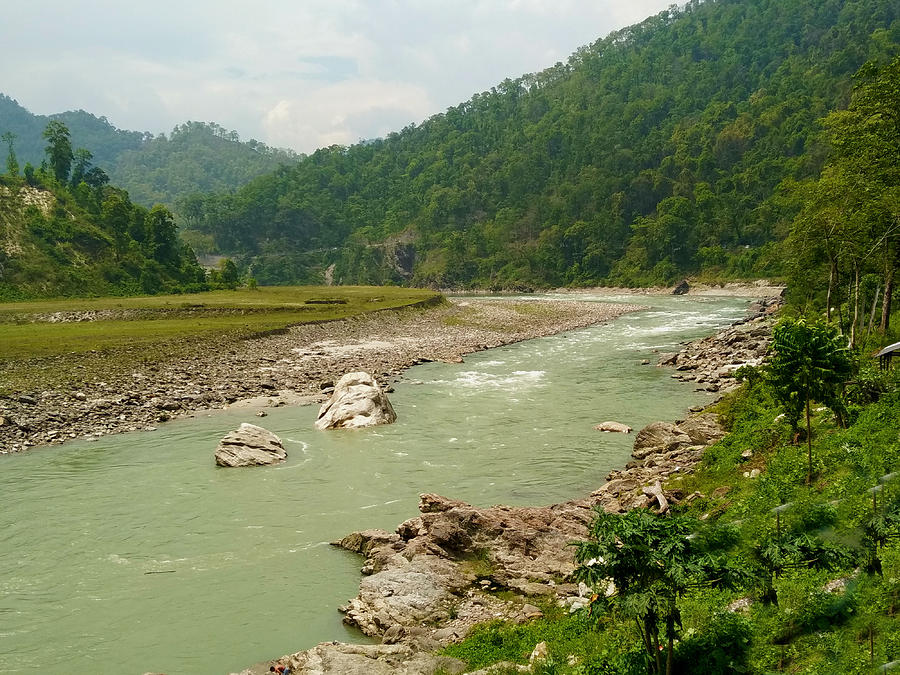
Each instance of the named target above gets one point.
<point>291,368</point>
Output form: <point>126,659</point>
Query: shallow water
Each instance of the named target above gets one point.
<point>135,553</point>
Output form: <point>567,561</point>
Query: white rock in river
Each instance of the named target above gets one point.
<point>613,427</point>
<point>249,445</point>
<point>357,401</point>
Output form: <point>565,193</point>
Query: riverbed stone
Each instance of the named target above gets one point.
<point>613,427</point>
<point>659,437</point>
<point>338,658</point>
<point>357,401</point>
<point>249,445</point>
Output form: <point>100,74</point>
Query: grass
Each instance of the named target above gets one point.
<point>35,352</point>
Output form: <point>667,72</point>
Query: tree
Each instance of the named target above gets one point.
<point>161,239</point>
<point>59,149</point>
<point>652,561</point>
<point>12,164</point>
<point>865,141</point>
<point>82,165</point>
<point>810,363</point>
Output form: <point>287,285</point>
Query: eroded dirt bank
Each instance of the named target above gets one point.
<point>295,367</point>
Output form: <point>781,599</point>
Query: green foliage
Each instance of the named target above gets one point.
<point>59,149</point>
<point>849,225</point>
<point>809,363</point>
<point>651,561</point>
<point>12,163</point>
<point>194,157</point>
<point>722,648</point>
<point>659,151</point>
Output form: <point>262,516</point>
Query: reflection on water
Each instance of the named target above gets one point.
<point>136,552</point>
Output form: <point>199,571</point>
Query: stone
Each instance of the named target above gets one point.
<point>531,612</point>
<point>702,429</point>
<point>668,359</point>
<point>249,445</point>
<point>613,427</point>
<point>383,659</point>
<point>681,288</point>
<point>358,401</point>
<point>655,491</point>
<point>659,437</point>
<point>540,653</point>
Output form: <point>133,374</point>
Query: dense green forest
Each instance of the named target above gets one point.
<point>194,157</point>
<point>65,230</point>
<point>668,148</point>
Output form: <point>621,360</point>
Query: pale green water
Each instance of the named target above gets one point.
<point>245,572</point>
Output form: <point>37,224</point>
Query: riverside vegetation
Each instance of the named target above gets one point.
<point>780,553</point>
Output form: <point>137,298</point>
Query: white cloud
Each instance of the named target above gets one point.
<point>301,74</point>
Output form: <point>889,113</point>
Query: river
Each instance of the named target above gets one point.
<point>135,553</point>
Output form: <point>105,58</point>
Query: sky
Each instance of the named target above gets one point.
<point>299,74</point>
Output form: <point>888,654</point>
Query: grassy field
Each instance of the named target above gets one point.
<point>152,329</point>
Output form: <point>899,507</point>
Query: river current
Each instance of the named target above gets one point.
<point>134,553</point>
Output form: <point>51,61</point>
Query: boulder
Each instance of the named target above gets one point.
<point>357,401</point>
<point>681,287</point>
<point>702,429</point>
<point>387,659</point>
<point>659,437</point>
<point>613,427</point>
<point>249,445</point>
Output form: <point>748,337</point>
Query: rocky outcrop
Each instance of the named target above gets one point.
<point>393,659</point>
<point>250,445</point>
<point>357,401</point>
<point>713,361</point>
<point>613,427</point>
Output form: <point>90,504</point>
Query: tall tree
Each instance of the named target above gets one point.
<point>81,165</point>
<point>12,164</point>
<point>59,149</point>
<point>865,141</point>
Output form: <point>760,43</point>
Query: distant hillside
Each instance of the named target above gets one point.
<point>195,157</point>
<point>91,241</point>
<point>655,152</point>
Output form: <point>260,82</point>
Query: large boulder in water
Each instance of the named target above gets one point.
<point>357,401</point>
<point>249,445</point>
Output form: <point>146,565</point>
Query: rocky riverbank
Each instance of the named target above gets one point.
<point>298,366</point>
<point>438,574</point>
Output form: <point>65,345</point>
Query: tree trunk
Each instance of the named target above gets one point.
<point>872,314</point>
<point>855,298</point>
<point>670,631</point>
<point>837,285</point>
<point>808,445</point>
<point>657,652</point>
<point>888,296</point>
<point>828,296</point>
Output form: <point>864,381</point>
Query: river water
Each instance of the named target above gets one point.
<point>135,553</point>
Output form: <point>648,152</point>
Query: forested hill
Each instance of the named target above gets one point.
<point>195,157</point>
<point>652,153</point>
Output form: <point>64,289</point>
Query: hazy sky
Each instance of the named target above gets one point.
<point>292,73</point>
